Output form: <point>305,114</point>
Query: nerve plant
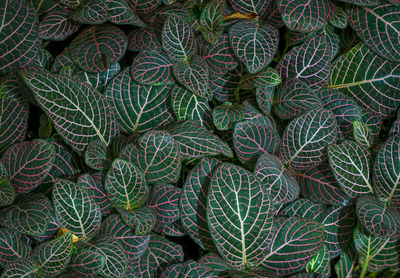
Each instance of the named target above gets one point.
<point>261,137</point>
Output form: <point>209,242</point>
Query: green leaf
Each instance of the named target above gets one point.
<point>7,191</point>
<point>303,208</point>
<point>75,209</point>
<point>164,201</point>
<point>196,141</point>
<point>141,220</point>
<point>351,165</point>
<point>264,97</point>
<point>294,244</point>
<point>211,18</point>
<point>226,115</point>
<point>137,107</point>
<point>91,12</point>
<point>386,171</point>
<point>120,12</point>
<point>87,262</point>
<point>12,247</point>
<point>216,264</point>
<point>373,81</point>
<point>362,134</point>
<point>98,156</point>
<point>56,25</point>
<point>320,263</point>
<point>254,45</point>
<point>188,268</point>
<point>54,255</point>
<point>28,163</point>
<point>21,268</point>
<point>396,125</point>
<point>239,216</point>
<point>266,78</point>
<point>379,28</point>
<point>347,261</point>
<point>305,138</point>
<point>78,112</point>
<point>143,39</point>
<point>363,2</point>
<point>257,7</point>
<point>339,20</point>
<point>125,185</point>
<point>178,38</point>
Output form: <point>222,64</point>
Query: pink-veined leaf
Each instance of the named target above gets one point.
<point>188,268</point>
<point>22,268</point>
<point>121,12</point>
<point>12,247</point>
<point>7,191</point>
<point>303,208</point>
<point>257,7</point>
<point>216,264</point>
<point>152,68</point>
<point>320,264</point>
<point>363,2</point>
<point>164,201</point>
<point>340,19</point>
<point>98,156</point>
<point>143,39</point>
<point>362,134</point>
<point>141,220</point>
<point>91,12</point>
<point>211,17</point>
<point>347,261</point>
<point>396,125</point>
<point>145,6</point>
<point>174,229</point>
<point>264,97</point>
<point>56,25</point>
<point>268,77</point>
<point>226,115</point>
<point>87,262</point>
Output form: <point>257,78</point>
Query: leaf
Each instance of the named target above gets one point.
<point>12,247</point>
<point>195,141</point>
<point>386,173</point>
<point>137,107</point>
<point>363,2</point>
<point>266,78</point>
<point>276,180</point>
<point>98,156</point>
<point>239,216</point>
<point>158,255</point>
<point>75,209</point>
<point>158,156</point>
<point>306,16</point>
<point>54,255</point>
<point>120,12</point>
<point>143,39</point>
<point>28,163</point>
<point>254,137</point>
<point>254,45</point>
<point>257,7</point>
<point>164,201</point>
<point>29,214</point>
<point>303,208</point>
<point>379,28</point>
<point>305,138</point>
<point>78,112</point>
<point>218,56</point>
<point>178,39</point>
<point>19,42</point>
<point>226,115</point>
<point>294,244</point>
<point>211,17</point>
<point>56,25</point>
<point>141,220</point>
<point>319,184</point>
<point>125,185</point>
<point>224,86</point>
<point>216,264</point>
<point>7,191</point>
<point>362,134</point>
<point>320,263</point>
<point>264,98</point>
<point>188,268</point>
<point>188,106</point>
<point>340,19</point>
<point>13,122</point>
<point>87,262</point>
<point>376,218</point>
<point>134,245</point>
<point>347,261</point>
<point>351,165</point>
<point>174,229</point>
<point>146,7</point>
<point>99,79</point>
<point>194,76</point>
<point>98,47</point>
<point>91,12</point>
<point>21,268</point>
<point>152,68</point>
<point>308,62</point>
<point>193,202</point>
<point>396,125</point>
<point>370,82</point>
<point>293,98</point>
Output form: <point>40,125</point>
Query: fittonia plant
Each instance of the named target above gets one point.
<point>215,138</point>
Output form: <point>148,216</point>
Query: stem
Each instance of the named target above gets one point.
<point>364,269</point>
<point>237,97</point>
<point>250,16</point>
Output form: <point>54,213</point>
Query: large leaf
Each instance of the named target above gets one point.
<point>164,201</point>
<point>196,141</point>
<point>386,171</point>
<point>294,244</point>
<point>306,16</point>
<point>239,216</point>
<point>254,45</point>
<point>75,209</point>
<point>305,138</point>
<point>28,163</point>
<point>56,25</point>
<point>193,202</point>
<point>351,165</point>
<point>137,107</point>
<point>98,47</point>
<point>54,255</point>
<point>19,42</point>
<point>152,68</point>
<point>79,113</point>
<point>372,81</point>
<point>178,38</point>
<point>12,247</point>
<point>379,28</point>
<point>125,185</point>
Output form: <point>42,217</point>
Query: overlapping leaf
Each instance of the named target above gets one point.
<point>257,7</point>
<point>7,191</point>
<point>152,68</point>
<point>21,268</point>
<point>268,77</point>
<point>87,262</point>
<point>12,247</point>
<point>121,12</point>
<point>56,25</point>
<point>347,261</point>
<point>305,138</point>
<point>141,220</point>
<point>239,216</point>
<point>78,112</point>
<point>143,39</point>
<point>211,18</point>
<point>362,134</point>
<point>396,125</point>
<point>264,97</point>
<point>98,156</point>
<point>363,2</point>
<point>340,19</point>
<point>320,263</point>
<point>188,268</point>
<point>226,115</point>
<point>91,12</point>
<point>164,201</point>
<point>303,208</point>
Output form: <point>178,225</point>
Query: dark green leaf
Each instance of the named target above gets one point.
<point>56,25</point>
<point>226,115</point>
<point>164,201</point>
<point>12,247</point>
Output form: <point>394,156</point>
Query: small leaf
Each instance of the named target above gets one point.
<point>362,134</point>
<point>164,201</point>
<point>264,98</point>
<point>266,78</point>
<point>339,20</point>
<point>91,12</point>
<point>98,156</point>
<point>12,247</point>
<point>347,261</point>
<point>211,18</point>
<point>152,68</point>
<point>56,25</point>
<point>141,220</point>
<point>120,12</point>
<point>396,125</point>
<point>257,7</point>
<point>226,115</point>
<point>87,262</point>
<point>143,39</point>
<point>320,263</point>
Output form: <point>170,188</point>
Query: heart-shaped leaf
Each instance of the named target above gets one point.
<point>98,47</point>
<point>386,171</point>
<point>305,138</point>
<point>28,163</point>
<point>226,115</point>
<point>306,16</point>
<point>87,262</point>
<point>193,202</point>
<point>143,39</point>
<point>137,107</point>
<point>56,25</point>
<point>178,38</point>
<point>239,216</point>
<point>379,28</point>
<point>142,220</point>
<point>294,244</point>
<point>19,41</point>
<point>373,83</point>
<point>164,201</point>
<point>75,209</point>
<point>152,68</point>
<point>351,165</point>
<point>12,247</point>
<point>54,255</point>
<point>85,114</point>
<point>125,185</point>
<point>254,45</point>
